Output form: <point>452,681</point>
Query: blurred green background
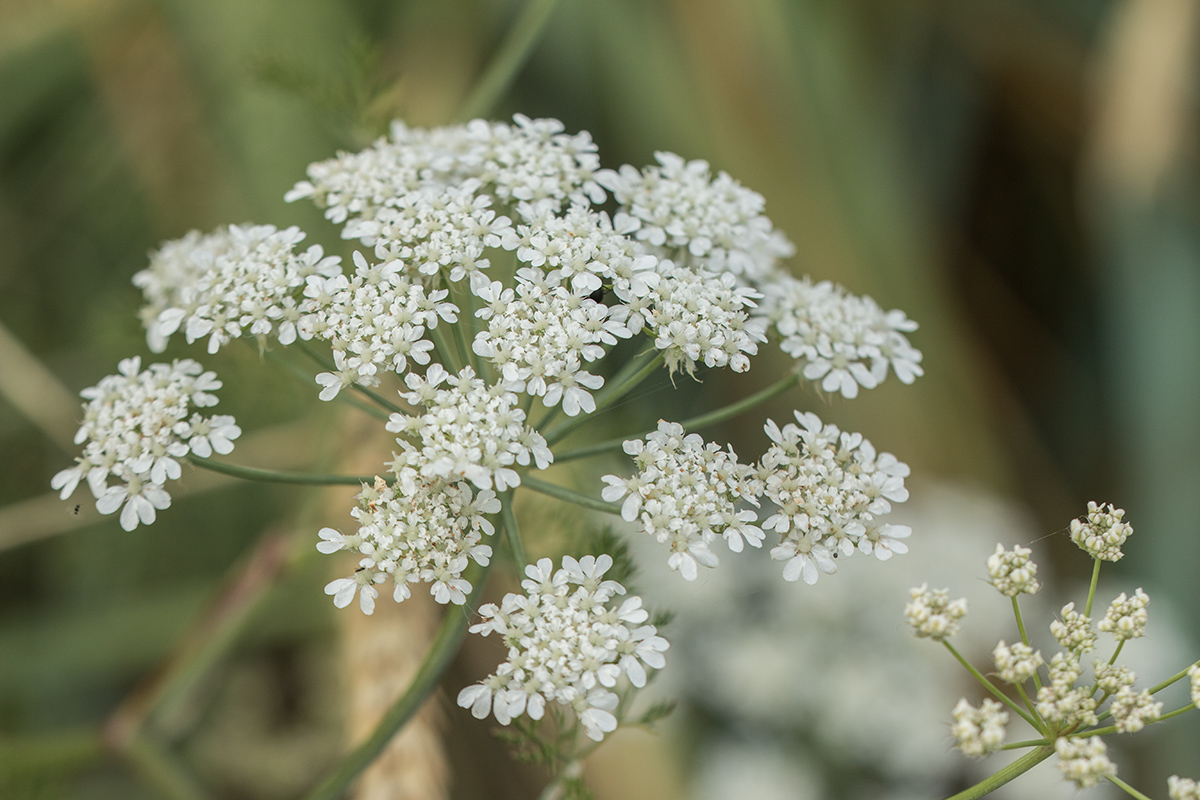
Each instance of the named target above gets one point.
<point>1018,176</point>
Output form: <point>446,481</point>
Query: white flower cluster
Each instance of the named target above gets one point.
<point>1103,532</point>
<point>1132,710</point>
<point>1016,664</point>
<point>831,490</point>
<point>1126,618</point>
<point>375,320</point>
<point>842,340</point>
<point>1194,678</point>
<point>686,494</point>
<point>531,161</point>
<point>684,214</point>
<point>1111,678</point>
<point>236,280</point>
<point>1182,788</point>
<point>413,531</point>
<point>1062,702</point>
<point>978,731</point>
<point>566,644</point>
<point>699,317</point>
<point>1012,572</point>
<point>1084,761</point>
<point>540,334</point>
<point>136,426</point>
<point>469,430</point>
<point>932,614</point>
<point>1074,631</point>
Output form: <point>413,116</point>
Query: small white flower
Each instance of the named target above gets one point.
<point>1132,710</point>
<point>1074,630</point>
<point>932,614</point>
<point>566,644</point>
<point>1084,761</point>
<point>1018,663</point>
<point>1012,572</point>
<point>1182,788</point>
<point>1103,532</point>
<point>1126,618</point>
<point>979,731</point>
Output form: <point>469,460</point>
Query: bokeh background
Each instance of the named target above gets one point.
<point>1018,176</point>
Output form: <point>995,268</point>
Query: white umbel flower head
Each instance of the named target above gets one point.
<point>1182,788</point>
<point>680,212</point>
<point>137,426</point>
<point>540,335</point>
<point>843,341</point>
<point>1194,678</point>
<point>1102,532</point>
<point>1012,572</point>
<point>1060,700</point>
<point>375,321</point>
<point>1016,664</point>
<point>932,614</point>
<point>979,731</point>
<point>1126,618</point>
<point>686,494</point>
<point>831,490</point>
<point>414,530</point>
<point>1074,630</point>
<point>468,431</point>
<point>1132,710</point>
<point>1084,761</point>
<point>1111,678</point>
<point>243,279</point>
<point>567,644</point>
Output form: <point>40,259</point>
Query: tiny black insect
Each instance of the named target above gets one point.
<point>76,512</point>
<point>360,569</point>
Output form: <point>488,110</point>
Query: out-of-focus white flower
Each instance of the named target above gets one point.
<point>1126,618</point>
<point>978,731</point>
<point>1012,572</point>
<point>1016,664</point>
<point>1074,630</point>
<point>1182,788</point>
<point>1084,761</point>
<point>932,614</point>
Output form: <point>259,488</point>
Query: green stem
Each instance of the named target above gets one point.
<point>509,518</point>
<point>1176,677</point>
<point>60,753</point>
<point>1175,713</point>
<point>448,353</point>
<point>509,59</point>
<point>1037,679</point>
<point>1113,779</point>
<point>569,495</point>
<point>306,378</point>
<point>1087,609</point>
<point>624,382</point>
<point>1006,774</point>
<point>275,476</point>
<point>1027,743</point>
<point>437,661</point>
<point>1030,705</point>
<point>159,769</point>
<point>1001,696</point>
<point>694,423</point>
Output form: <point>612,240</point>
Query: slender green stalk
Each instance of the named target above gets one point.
<point>306,378</point>
<point>1027,743</point>
<point>1037,679</point>
<point>1113,779</point>
<point>1087,609</point>
<point>1030,705</point>
<point>509,59</point>
<point>437,661</point>
<point>158,768</point>
<point>1178,676</point>
<point>509,518</point>
<point>1001,696</point>
<point>1006,774</point>
<point>569,495</point>
<point>1181,710</point>
<point>275,476</point>
<point>624,382</point>
<point>445,349</point>
<point>692,424</point>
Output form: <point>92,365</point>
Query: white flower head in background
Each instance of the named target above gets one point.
<point>137,426</point>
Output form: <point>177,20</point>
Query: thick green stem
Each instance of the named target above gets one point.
<point>437,661</point>
<point>509,59</point>
<point>569,495</point>
<point>1001,696</point>
<point>694,423</point>
<point>1006,774</point>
